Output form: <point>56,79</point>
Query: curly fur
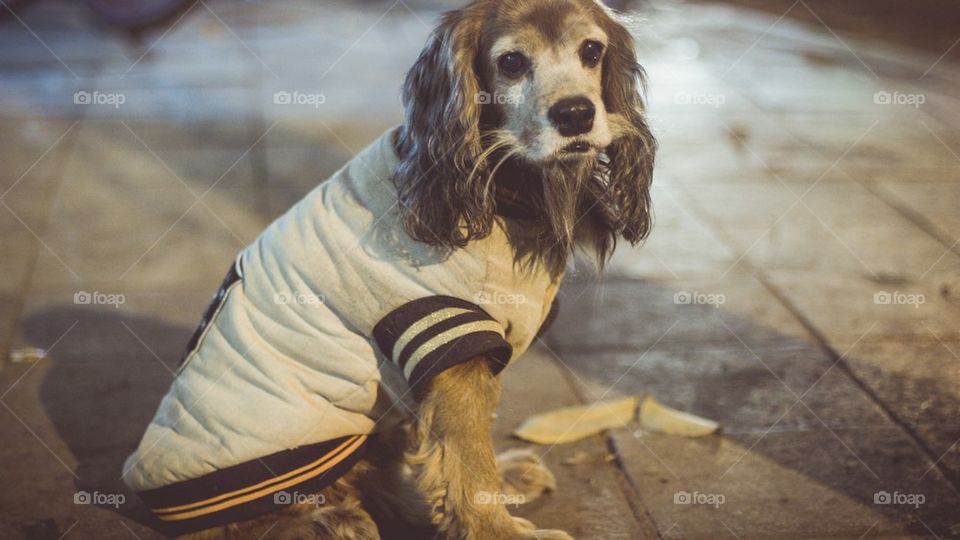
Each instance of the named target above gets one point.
<point>442,202</point>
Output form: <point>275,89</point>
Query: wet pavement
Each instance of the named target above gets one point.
<point>802,284</point>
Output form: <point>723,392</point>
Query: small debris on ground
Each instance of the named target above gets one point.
<point>27,355</point>
<point>585,458</point>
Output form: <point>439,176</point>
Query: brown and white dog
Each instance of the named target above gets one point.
<point>533,102</point>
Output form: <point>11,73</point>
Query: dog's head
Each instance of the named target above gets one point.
<point>547,87</point>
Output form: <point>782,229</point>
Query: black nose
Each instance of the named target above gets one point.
<point>572,116</point>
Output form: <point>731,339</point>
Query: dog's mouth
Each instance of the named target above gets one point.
<point>574,149</point>
<point>577,147</point>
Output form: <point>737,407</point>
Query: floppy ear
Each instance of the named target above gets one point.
<point>441,202</point>
<point>634,147</point>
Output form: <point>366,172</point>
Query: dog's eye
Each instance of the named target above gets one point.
<point>513,64</point>
<point>590,52</point>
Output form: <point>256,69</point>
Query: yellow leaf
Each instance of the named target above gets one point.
<point>574,423</point>
<point>27,356</point>
<point>663,419</point>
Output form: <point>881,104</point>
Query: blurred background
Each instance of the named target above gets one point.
<point>801,286</point>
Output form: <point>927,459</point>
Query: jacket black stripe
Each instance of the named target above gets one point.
<point>238,476</point>
<point>395,323</point>
<point>456,352</point>
<point>435,330</point>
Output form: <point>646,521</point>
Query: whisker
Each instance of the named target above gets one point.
<point>500,141</point>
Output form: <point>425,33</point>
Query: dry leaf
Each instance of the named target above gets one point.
<point>663,419</point>
<point>27,356</point>
<point>574,423</point>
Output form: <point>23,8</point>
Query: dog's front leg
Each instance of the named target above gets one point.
<point>455,460</point>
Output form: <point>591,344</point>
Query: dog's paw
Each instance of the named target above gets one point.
<point>528,531</point>
<point>517,528</point>
<point>346,521</point>
<point>523,474</point>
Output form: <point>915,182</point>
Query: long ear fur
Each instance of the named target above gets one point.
<point>442,201</point>
<point>634,147</point>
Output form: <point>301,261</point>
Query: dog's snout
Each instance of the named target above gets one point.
<point>572,116</point>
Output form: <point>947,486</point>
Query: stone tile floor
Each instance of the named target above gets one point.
<point>801,285</point>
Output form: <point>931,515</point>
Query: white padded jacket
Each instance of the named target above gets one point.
<point>331,308</point>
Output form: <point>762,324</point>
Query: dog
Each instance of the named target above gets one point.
<point>343,381</point>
